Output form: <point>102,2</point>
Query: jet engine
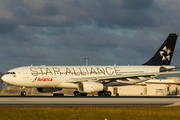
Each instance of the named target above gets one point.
<point>47,90</point>
<point>89,87</point>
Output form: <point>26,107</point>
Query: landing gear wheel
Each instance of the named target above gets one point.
<point>83,94</point>
<point>104,93</point>
<point>23,93</point>
<point>77,93</point>
<point>108,93</point>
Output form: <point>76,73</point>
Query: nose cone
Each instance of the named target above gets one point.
<point>7,79</point>
<point>4,78</point>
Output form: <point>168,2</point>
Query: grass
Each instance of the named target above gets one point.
<point>89,113</point>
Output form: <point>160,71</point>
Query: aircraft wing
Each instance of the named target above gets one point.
<point>169,69</point>
<point>114,77</point>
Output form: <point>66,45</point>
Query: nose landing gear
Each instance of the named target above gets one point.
<point>23,92</point>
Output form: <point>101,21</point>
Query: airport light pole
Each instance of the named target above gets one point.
<point>86,61</point>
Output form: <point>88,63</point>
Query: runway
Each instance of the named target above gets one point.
<point>50,101</point>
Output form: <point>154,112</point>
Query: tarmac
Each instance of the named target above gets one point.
<point>10,98</point>
<point>64,101</point>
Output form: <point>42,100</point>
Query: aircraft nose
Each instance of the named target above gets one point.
<point>4,78</point>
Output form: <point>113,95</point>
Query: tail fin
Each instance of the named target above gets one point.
<point>164,54</point>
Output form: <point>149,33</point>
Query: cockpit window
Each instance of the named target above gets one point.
<point>13,73</point>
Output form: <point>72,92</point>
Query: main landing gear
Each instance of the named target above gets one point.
<point>77,93</point>
<point>104,93</point>
<point>23,92</point>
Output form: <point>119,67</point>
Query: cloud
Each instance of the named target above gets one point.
<point>6,28</point>
<point>61,32</point>
<point>105,14</point>
<point>64,13</point>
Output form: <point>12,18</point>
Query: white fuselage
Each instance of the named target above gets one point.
<point>57,76</point>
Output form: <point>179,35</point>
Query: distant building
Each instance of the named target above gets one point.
<point>169,86</point>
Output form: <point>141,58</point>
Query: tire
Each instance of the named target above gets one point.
<point>102,93</point>
<point>108,93</point>
<point>99,93</point>
<point>77,93</point>
<point>23,93</point>
<point>83,94</point>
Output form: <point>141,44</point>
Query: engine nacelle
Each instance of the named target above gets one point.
<point>47,90</point>
<point>89,87</point>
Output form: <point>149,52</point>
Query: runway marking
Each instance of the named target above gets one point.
<point>173,105</point>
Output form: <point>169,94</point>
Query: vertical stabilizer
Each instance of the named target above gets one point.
<point>163,55</point>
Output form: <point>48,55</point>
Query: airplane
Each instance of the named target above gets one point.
<point>89,79</point>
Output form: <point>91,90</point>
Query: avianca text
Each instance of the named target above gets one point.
<point>42,79</point>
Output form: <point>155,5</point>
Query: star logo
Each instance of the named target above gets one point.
<point>165,54</point>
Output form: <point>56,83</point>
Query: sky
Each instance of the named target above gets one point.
<point>64,32</point>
